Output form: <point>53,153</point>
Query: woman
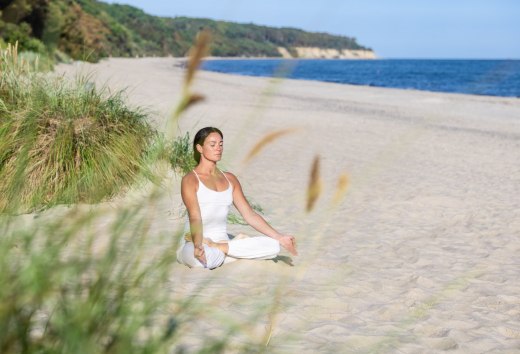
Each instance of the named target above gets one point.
<point>207,194</point>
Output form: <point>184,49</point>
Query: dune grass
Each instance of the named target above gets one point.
<point>63,142</point>
<point>180,154</point>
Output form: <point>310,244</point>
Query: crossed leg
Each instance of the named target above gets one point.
<point>242,246</point>
<point>223,246</point>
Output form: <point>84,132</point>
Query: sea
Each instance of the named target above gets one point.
<point>476,77</point>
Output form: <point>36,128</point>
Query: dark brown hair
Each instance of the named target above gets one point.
<point>200,137</point>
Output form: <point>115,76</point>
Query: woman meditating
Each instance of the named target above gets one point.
<point>207,194</point>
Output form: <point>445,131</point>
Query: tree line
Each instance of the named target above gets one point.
<point>91,29</point>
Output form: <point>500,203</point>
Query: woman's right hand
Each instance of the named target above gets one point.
<point>289,243</point>
<point>198,253</point>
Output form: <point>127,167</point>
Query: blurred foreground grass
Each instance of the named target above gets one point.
<point>65,290</point>
<point>66,286</point>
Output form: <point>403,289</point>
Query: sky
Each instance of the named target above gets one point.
<point>451,29</point>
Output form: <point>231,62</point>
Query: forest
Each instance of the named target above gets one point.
<point>90,30</point>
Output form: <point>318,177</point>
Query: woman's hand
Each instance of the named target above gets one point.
<point>289,243</point>
<point>198,253</point>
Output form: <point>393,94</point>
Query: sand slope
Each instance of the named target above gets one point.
<point>421,256</point>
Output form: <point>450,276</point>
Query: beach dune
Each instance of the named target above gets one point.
<point>422,253</point>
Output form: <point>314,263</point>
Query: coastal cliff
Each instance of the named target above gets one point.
<point>326,53</point>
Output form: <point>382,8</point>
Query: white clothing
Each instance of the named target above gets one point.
<point>260,247</point>
<point>214,209</point>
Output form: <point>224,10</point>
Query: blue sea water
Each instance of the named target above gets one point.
<point>478,77</point>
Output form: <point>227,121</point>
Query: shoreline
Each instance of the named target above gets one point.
<point>181,61</point>
<point>295,60</point>
<point>372,86</point>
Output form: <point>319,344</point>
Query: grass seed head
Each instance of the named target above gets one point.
<point>266,140</point>
<point>315,185</point>
<point>341,188</point>
<point>197,53</point>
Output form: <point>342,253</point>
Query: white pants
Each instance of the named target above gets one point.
<point>249,248</point>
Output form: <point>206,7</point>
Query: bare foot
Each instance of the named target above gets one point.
<point>221,246</point>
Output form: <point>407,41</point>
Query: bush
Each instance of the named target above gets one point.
<point>180,154</point>
<point>63,143</point>
<point>22,34</point>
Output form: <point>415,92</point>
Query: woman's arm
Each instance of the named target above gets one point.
<point>189,197</point>
<point>257,221</point>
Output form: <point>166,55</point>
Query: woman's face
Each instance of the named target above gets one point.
<point>212,148</point>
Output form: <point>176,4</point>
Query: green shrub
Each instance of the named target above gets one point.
<point>62,142</point>
<point>22,34</point>
<point>180,153</point>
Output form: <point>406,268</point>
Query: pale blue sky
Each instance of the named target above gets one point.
<point>393,28</point>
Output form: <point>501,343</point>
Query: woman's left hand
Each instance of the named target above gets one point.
<point>289,243</point>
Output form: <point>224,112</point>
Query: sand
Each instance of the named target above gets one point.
<point>422,254</point>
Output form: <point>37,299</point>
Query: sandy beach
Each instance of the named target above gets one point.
<point>420,256</point>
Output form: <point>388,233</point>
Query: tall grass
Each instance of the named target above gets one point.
<point>63,142</point>
<point>63,293</point>
<point>180,154</point>
<point>67,286</point>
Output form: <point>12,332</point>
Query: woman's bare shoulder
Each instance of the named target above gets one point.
<point>230,176</point>
<point>189,179</point>
<point>233,180</point>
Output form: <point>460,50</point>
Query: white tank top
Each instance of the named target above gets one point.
<point>214,208</point>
